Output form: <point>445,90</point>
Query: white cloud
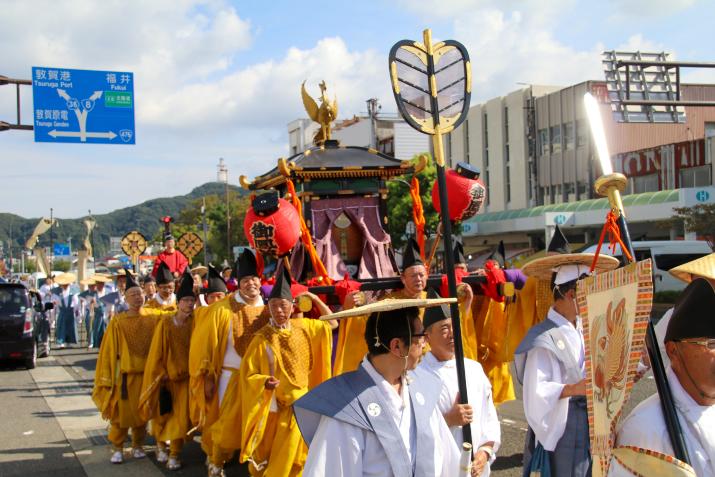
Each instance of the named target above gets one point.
<point>629,9</point>
<point>510,47</point>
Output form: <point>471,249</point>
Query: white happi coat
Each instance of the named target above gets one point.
<point>350,451</point>
<point>645,427</point>
<point>485,422</point>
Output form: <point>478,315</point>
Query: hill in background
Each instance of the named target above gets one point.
<point>144,217</point>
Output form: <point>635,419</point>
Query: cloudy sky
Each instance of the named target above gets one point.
<point>220,78</point>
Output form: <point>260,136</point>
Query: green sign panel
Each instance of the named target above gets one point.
<point>117,99</point>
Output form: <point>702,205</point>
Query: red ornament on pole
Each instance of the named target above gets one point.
<point>465,192</point>
<point>272,225</point>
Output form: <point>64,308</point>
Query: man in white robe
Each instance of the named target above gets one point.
<point>382,419</point>
<point>479,412</point>
<point>690,345</point>
<point>550,363</point>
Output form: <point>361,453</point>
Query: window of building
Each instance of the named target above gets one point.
<point>294,150</point>
<point>582,133</point>
<point>506,124</point>
<point>529,179</point>
<point>466,141</point>
<point>486,184</point>
<point>543,141</point>
<point>508,183</point>
<point>568,136</point>
<point>641,184</point>
<point>555,139</point>
<point>695,176</point>
<point>486,132</point>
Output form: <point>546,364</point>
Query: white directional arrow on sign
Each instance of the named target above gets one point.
<point>105,135</point>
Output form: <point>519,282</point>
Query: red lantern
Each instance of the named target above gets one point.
<point>465,192</point>
<point>273,231</point>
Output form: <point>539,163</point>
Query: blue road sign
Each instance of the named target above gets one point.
<point>702,196</point>
<point>61,249</point>
<point>83,106</point>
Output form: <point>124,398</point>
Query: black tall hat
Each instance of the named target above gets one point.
<point>436,313</point>
<point>693,314</point>
<point>558,243</point>
<point>459,253</point>
<point>411,256</point>
<point>216,282</point>
<point>129,280</point>
<point>499,255</point>
<point>281,289</point>
<point>148,279</point>
<point>186,285</point>
<point>163,274</point>
<point>246,265</point>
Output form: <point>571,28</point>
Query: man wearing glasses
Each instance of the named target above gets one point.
<point>690,345</point>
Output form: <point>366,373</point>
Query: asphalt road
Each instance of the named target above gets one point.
<point>50,428</point>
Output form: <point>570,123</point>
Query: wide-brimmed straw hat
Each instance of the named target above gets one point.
<point>544,267</point>
<point>388,304</point>
<point>200,269</point>
<point>88,281</point>
<point>700,267</point>
<point>65,278</point>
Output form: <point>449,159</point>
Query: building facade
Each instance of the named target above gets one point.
<point>537,159</point>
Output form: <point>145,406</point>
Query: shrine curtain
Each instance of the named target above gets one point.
<point>363,212</point>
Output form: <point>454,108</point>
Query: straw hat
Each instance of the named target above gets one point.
<point>388,305</point>
<point>543,267</point>
<point>65,279</point>
<point>200,269</point>
<point>88,281</point>
<point>100,278</point>
<point>700,267</point>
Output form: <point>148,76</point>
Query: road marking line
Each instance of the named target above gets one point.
<point>76,414</point>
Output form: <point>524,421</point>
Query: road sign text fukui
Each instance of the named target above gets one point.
<point>83,106</point>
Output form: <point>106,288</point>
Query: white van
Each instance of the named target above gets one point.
<point>666,254</point>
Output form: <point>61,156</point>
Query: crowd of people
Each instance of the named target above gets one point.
<point>271,376</point>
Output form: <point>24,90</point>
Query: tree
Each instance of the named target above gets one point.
<point>399,204</point>
<point>190,220</point>
<point>700,219</point>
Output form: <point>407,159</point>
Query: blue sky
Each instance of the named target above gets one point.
<point>216,78</point>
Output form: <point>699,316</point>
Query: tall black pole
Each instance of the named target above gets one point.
<point>447,229</point>
<point>52,241</point>
<point>667,403</point>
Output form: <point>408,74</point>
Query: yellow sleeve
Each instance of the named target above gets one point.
<point>154,372</point>
<point>106,372</point>
<point>254,412</point>
<point>321,345</point>
<point>469,334</point>
<point>350,348</point>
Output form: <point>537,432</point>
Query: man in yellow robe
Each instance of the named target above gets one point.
<point>165,297</point>
<point>120,369</point>
<point>350,346</point>
<point>285,359</point>
<point>165,387</point>
<point>223,331</point>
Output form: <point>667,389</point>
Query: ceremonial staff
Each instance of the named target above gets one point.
<point>611,185</point>
<point>432,87</point>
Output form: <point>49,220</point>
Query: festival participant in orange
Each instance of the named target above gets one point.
<point>165,387</point>
<point>285,359</point>
<point>120,370</point>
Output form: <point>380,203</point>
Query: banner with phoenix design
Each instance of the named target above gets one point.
<point>615,308</point>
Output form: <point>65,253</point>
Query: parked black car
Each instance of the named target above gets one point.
<point>22,324</point>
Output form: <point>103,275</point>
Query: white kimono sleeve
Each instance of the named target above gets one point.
<point>545,411</point>
<point>336,450</point>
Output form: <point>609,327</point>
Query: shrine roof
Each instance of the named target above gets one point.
<point>331,161</point>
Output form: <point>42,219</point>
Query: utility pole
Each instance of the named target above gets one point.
<point>91,232</point>
<point>223,177</point>
<point>206,240</point>
<point>372,108</point>
<point>52,239</point>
